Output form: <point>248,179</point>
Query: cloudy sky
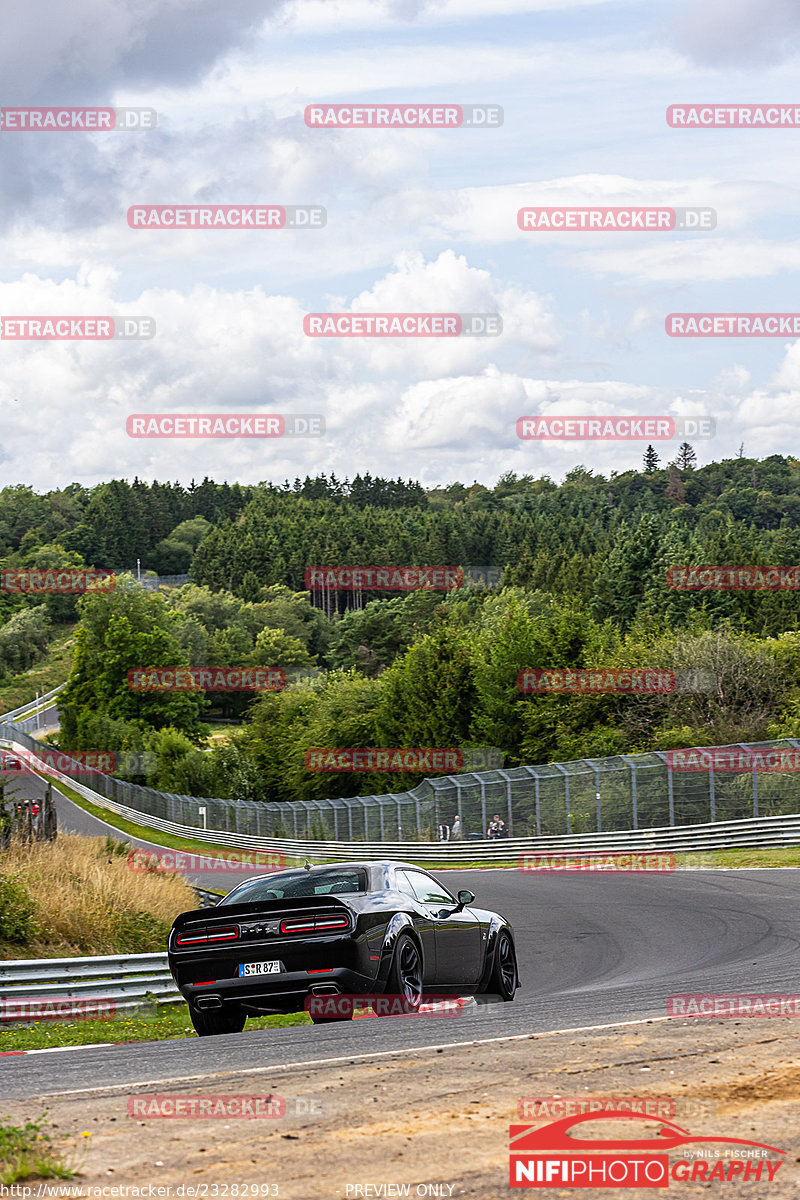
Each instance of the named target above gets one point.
<point>417,221</point>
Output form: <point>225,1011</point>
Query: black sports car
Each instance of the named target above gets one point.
<point>350,929</point>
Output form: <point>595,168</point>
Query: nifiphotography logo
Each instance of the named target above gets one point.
<point>551,1156</point>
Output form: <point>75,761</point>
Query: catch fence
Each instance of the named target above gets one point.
<point>588,796</point>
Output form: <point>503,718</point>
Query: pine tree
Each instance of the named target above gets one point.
<point>675,489</point>
<point>686,458</point>
<point>650,460</point>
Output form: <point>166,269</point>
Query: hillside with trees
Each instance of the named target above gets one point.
<point>582,582</point>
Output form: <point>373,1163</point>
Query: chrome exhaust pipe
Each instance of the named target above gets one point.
<point>205,1002</point>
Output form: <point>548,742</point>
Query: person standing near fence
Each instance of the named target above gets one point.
<point>497,827</point>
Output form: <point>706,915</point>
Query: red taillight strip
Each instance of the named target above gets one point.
<point>227,933</point>
<point>188,939</point>
<point>314,924</point>
<point>297,926</point>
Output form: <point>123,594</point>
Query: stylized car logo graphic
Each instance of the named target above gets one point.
<point>555,1136</point>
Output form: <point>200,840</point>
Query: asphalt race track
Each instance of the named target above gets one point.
<point>593,949</point>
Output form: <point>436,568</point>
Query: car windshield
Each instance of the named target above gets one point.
<point>288,885</point>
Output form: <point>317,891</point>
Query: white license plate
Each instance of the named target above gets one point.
<point>261,968</point>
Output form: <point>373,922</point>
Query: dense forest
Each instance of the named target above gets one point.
<point>581,571</point>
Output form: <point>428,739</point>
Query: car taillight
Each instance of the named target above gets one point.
<point>306,926</point>
<point>226,934</point>
<point>200,937</point>
<point>190,939</point>
<point>331,923</point>
<point>315,924</point>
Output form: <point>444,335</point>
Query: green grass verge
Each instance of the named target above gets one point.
<point>145,833</point>
<point>768,856</point>
<point>47,674</point>
<point>160,1024</point>
<point>26,1152</point>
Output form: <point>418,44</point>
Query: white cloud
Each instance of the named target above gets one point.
<point>751,33</point>
<point>317,17</point>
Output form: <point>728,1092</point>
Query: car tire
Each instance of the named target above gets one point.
<point>217,1020</point>
<point>504,980</point>
<point>405,976</point>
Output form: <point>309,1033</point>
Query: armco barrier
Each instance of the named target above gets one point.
<point>127,980</point>
<point>626,792</point>
<point>257,826</point>
<point>32,706</point>
<point>761,831</point>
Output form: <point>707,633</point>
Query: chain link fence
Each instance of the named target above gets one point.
<point>626,791</point>
<point>149,580</point>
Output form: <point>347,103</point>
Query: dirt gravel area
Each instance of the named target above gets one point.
<point>438,1121</point>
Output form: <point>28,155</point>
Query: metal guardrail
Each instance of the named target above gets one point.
<point>587,796</point>
<point>231,821</point>
<point>719,835</point>
<point>9,718</point>
<point>34,987</point>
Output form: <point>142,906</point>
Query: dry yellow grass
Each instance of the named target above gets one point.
<point>88,900</point>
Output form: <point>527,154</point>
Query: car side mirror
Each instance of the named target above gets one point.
<point>465,897</point>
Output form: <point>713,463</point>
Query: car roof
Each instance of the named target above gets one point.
<point>383,865</point>
<point>365,865</point>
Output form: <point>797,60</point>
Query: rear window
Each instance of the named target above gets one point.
<point>289,885</point>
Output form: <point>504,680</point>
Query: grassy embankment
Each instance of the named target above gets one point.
<point>78,896</point>
<point>44,676</point>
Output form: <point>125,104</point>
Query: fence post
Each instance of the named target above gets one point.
<point>670,794</point>
<point>755,777</point>
<point>531,771</point>
<point>565,774</point>
<point>505,776</point>
<point>634,795</point>
<point>454,779</point>
<point>599,818</point>
<point>755,791</point>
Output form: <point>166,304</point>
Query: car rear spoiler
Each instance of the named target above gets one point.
<point>228,913</point>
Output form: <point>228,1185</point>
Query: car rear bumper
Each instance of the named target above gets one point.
<point>287,992</point>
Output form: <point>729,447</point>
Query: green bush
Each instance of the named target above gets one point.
<point>17,920</point>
